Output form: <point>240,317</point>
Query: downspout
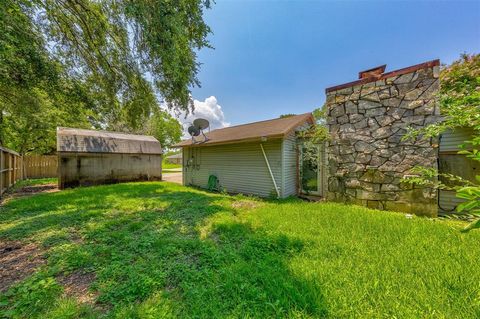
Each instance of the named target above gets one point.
<point>270,171</point>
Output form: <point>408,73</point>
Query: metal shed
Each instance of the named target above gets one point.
<point>89,157</point>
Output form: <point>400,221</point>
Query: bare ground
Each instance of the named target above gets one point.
<point>29,190</point>
<point>173,177</point>
<point>77,285</point>
<point>35,189</point>
<point>18,261</point>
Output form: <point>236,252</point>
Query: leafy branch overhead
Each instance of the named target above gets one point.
<point>103,64</point>
<point>128,45</point>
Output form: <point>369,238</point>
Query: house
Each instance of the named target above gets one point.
<point>89,157</point>
<point>364,162</point>
<point>174,159</point>
<point>257,158</point>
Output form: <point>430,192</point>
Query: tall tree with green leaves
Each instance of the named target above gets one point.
<point>165,128</point>
<point>91,63</point>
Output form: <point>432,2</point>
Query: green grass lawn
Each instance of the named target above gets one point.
<point>34,182</point>
<point>166,165</point>
<point>160,250</point>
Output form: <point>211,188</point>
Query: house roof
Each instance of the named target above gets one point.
<point>275,128</point>
<point>179,155</point>
<point>376,77</point>
<point>91,141</point>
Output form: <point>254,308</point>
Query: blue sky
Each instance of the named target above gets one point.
<point>276,57</point>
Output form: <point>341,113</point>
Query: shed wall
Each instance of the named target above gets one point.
<point>240,167</point>
<point>84,169</point>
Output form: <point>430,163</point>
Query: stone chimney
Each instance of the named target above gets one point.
<point>367,155</point>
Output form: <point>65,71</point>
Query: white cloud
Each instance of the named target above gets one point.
<point>208,109</point>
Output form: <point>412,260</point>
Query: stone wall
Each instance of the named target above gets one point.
<point>367,156</point>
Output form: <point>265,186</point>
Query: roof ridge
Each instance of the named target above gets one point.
<point>250,123</point>
<point>59,128</point>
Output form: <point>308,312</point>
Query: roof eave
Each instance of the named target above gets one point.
<point>243,140</point>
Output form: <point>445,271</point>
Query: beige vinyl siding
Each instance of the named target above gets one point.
<point>447,201</point>
<point>289,151</point>
<point>240,167</point>
<point>450,140</point>
<point>456,164</point>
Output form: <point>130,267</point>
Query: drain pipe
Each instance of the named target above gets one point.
<point>270,171</point>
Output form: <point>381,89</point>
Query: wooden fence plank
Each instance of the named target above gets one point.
<point>40,166</point>
<point>10,168</point>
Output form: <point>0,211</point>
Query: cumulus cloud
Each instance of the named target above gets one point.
<point>208,109</point>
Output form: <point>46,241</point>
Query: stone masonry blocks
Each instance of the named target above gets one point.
<point>367,153</point>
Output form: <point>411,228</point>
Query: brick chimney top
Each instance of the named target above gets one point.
<point>372,73</point>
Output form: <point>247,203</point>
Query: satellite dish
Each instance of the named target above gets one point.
<point>197,128</point>
<point>193,130</point>
<point>201,123</point>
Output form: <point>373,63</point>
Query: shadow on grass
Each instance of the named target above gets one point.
<point>159,250</point>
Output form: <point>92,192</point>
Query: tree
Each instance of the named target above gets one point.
<point>165,128</point>
<point>460,106</point>
<point>98,64</point>
<point>35,96</point>
<point>133,49</point>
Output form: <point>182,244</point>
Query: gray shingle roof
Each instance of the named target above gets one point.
<point>91,141</point>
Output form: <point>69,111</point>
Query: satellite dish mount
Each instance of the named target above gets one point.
<point>198,127</point>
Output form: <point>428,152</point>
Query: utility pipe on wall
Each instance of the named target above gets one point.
<point>270,171</point>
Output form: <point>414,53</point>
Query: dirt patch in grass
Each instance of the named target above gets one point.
<point>28,191</point>
<point>245,204</point>
<point>35,189</point>
<point>77,285</point>
<point>17,261</point>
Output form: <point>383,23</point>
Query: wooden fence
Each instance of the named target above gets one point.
<point>40,166</point>
<point>10,168</point>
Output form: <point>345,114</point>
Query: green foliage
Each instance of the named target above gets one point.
<point>460,106</point>
<point>168,166</point>
<point>459,97</point>
<point>102,64</point>
<point>164,128</point>
<point>35,96</point>
<point>36,294</point>
<point>282,116</point>
<point>161,250</point>
<point>314,136</point>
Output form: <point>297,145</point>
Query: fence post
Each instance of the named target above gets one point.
<point>1,171</point>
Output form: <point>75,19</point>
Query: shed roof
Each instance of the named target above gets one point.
<point>91,141</point>
<point>275,128</point>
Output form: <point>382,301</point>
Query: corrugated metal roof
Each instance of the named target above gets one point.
<point>248,132</point>
<point>91,141</point>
